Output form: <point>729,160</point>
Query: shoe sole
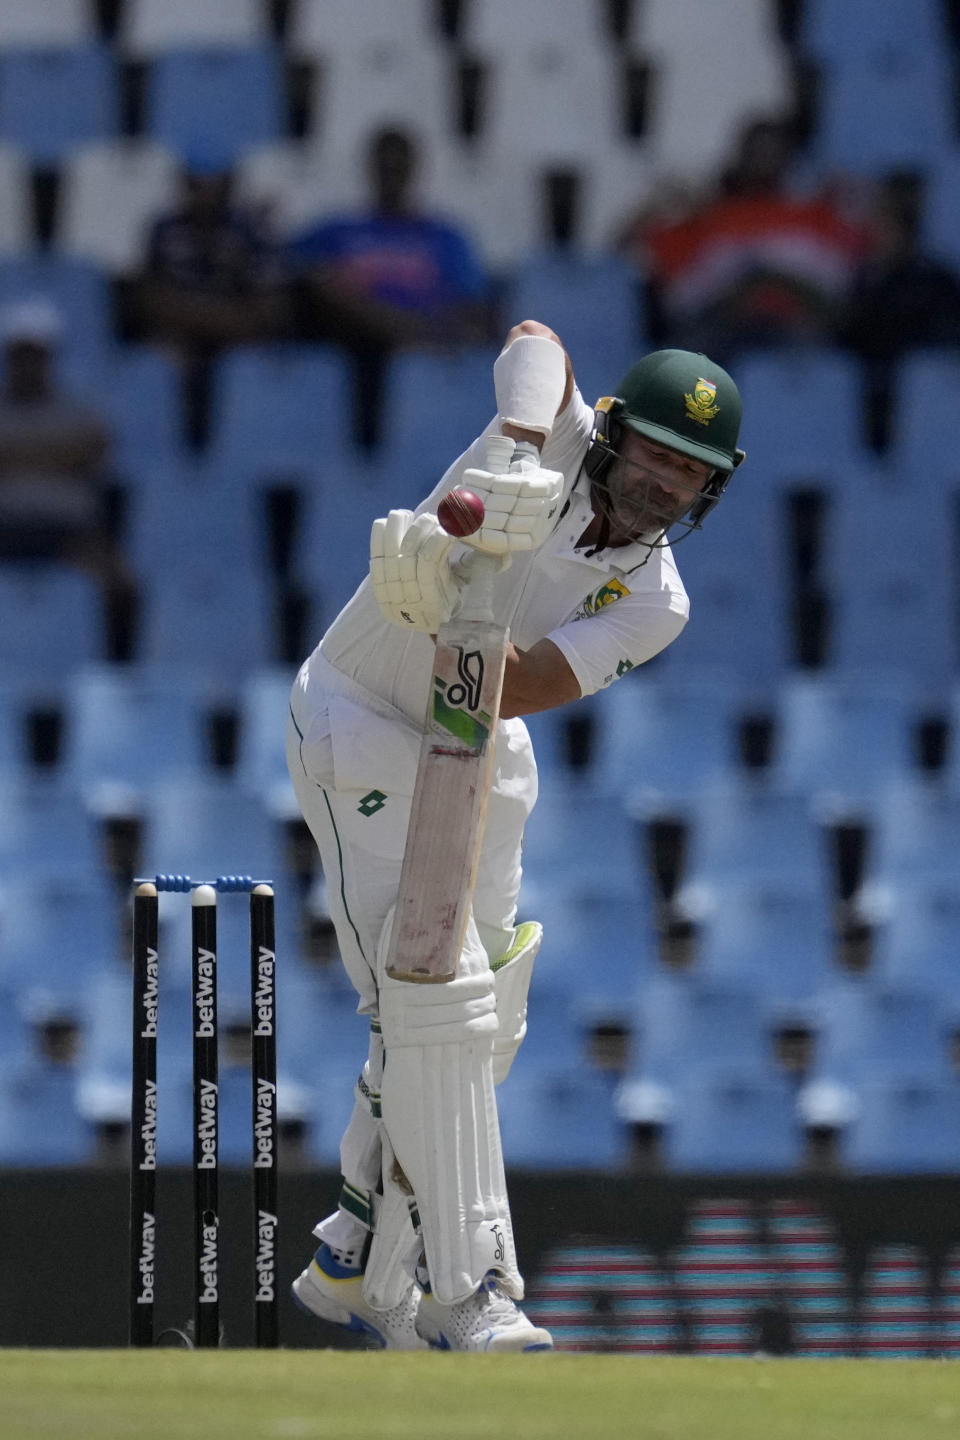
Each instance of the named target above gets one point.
<point>440,1342</point>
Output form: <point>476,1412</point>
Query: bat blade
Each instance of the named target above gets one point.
<point>449,802</point>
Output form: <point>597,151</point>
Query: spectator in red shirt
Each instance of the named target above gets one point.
<point>752,263</point>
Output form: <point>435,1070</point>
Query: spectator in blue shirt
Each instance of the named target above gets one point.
<point>388,277</point>
<point>391,276</point>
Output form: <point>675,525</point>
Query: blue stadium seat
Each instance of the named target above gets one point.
<point>103,1072</point>
<point>138,392</point>
<point>14,1031</point>
<point>801,413</point>
<point>576,841</point>
<point>261,755</point>
<point>917,936</point>
<point>129,728</point>
<point>884,112</point>
<point>915,835</point>
<point>841,740</point>
<point>940,216</point>
<point>332,548</point>
<point>324,1044</point>
<point>665,737</point>
<point>737,1121</point>
<point>59,621</point>
<point>733,572</point>
<point>599,950</point>
<point>694,1027</point>
<point>56,931</point>
<point>17,696</point>
<point>851,29</point>
<point>568,291</point>
<point>218,622</point>
<point>205,828</point>
<point>178,510</point>
<point>434,406</point>
<point>81,293</point>
<point>550,732</point>
<point>759,831</point>
<point>236,1106</point>
<point>53,99</point>
<point>889,615</point>
<point>906,1127</point>
<point>562,1119</point>
<point>278,408</point>
<point>104,1069</point>
<point>775,934</point>
<point>920,434</point>
<point>16,202</point>
<point>213,616</point>
<point>46,830</point>
<point>215,102</point>
<point>951,774</point>
<point>39,1120</point>
<point>869,1033</point>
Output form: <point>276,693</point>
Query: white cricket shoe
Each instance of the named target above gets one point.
<point>334,1293</point>
<point>486,1320</point>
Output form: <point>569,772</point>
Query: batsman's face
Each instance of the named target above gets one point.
<point>650,486</point>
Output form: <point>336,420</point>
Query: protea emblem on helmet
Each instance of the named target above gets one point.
<point>700,406</point>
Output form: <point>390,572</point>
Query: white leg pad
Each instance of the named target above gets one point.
<point>396,1245</point>
<point>440,1113</point>
<point>449,1145</point>
<point>511,977</point>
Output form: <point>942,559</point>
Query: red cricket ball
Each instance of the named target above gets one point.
<point>461,513</point>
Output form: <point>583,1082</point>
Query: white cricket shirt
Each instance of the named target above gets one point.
<point>606,612</point>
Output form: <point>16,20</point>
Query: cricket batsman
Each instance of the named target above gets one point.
<point>579,506</point>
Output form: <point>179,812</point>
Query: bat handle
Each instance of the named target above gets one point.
<point>477,599</point>
<point>498,452</point>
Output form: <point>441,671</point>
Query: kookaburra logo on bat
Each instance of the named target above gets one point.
<point>466,693</point>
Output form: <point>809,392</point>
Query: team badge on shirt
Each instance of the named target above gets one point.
<point>607,595</point>
<point>700,406</point>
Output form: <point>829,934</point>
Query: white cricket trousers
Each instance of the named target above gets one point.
<point>353,763</point>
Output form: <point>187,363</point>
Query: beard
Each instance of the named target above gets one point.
<point>636,505</point>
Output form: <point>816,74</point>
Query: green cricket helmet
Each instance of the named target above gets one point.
<point>679,399</point>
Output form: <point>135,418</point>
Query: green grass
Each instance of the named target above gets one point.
<point>304,1394</point>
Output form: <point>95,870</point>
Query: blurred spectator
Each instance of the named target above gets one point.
<point>389,276</point>
<point>902,298</point>
<point>53,469</point>
<point>751,263</point>
<point>210,280</point>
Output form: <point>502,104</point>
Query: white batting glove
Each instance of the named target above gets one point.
<point>410,571</point>
<point>521,504</point>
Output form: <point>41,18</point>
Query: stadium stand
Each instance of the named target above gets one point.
<point>57,24</point>
<point>16,220</point>
<point>150,28</point>
<point>51,99</point>
<point>95,121</point>
<point>111,190</point>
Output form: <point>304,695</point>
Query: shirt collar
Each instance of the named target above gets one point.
<point>577,517</point>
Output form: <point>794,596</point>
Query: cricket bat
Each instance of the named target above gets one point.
<point>453,781</point>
